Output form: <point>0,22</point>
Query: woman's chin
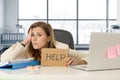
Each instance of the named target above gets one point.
<point>35,47</point>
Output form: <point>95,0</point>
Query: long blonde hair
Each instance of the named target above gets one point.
<point>49,31</point>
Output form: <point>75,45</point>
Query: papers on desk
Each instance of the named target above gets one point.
<point>17,64</point>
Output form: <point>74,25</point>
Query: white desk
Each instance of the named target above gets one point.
<point>58,73</point>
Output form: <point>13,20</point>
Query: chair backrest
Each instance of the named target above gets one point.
<point>64,37</point>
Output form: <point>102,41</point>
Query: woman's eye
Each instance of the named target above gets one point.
<point>39,34</point>
<point>32,34</point>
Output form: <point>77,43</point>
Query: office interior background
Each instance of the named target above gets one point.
<point>80,17</point>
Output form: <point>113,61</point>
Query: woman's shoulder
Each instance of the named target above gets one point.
<point>61,45</point>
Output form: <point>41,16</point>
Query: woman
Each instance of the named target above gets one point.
<point>40,36</point>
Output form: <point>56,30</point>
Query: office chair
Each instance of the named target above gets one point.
<point>64,37</point>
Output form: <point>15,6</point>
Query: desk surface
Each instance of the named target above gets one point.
<point>59,73</point>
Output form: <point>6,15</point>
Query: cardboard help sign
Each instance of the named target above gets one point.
<point>54,57</point>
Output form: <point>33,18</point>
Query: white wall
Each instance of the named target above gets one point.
<point>10,13</point>
<point>1,13</point>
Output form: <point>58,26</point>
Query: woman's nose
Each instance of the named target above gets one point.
<point>35,38</point>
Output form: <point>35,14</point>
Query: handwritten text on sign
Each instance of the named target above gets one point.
<point>54,57</point>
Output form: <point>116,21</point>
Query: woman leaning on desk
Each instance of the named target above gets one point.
<point>40,36</point>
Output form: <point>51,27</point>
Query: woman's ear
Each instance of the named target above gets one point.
<point>49,39</point>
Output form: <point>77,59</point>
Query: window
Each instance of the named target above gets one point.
<point>32,9</point>
<point>58,9</point>
<point>92,9</point>
<point>80,17</point>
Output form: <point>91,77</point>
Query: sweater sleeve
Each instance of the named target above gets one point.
<point>72,53</point>
<point>16,51</point>
<point>78,55</point>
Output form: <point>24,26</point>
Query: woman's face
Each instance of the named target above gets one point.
<point>39,38</point>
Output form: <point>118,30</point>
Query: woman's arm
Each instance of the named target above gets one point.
<point>15,51</point>
<point>76,57</point>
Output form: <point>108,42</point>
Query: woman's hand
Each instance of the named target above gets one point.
<point>72,61</point>
<point>27,39</point>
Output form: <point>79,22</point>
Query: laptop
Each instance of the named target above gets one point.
<point>103,53</point>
